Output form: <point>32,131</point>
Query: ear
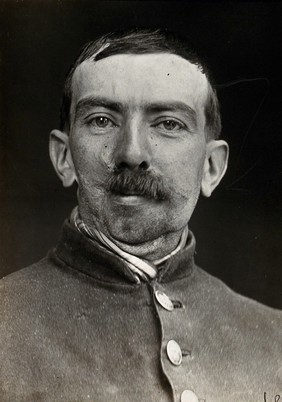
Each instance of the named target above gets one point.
<point>215,165</point>
<point>61,158</point>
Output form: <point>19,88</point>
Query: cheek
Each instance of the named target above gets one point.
<point>90,163</point>
<point>182,167</point>
<point>106,156</point>
<point>92,150</point>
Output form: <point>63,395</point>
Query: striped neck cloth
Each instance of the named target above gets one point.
<point>143,269</point>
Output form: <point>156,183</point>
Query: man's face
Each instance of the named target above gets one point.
<point>131,116</point>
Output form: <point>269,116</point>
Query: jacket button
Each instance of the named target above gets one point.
<point>164,300</point>
<point>188,396</point>
<point>174,352</point>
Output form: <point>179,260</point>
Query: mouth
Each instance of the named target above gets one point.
<point>129,193</point>
<point>130,199</point>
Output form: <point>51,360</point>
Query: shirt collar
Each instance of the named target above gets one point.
<point>83,254</point>
<point>143,269</point>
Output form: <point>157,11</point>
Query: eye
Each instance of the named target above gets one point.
<point>170,125</point>
<point>101,122</point>
<point>98,123</point>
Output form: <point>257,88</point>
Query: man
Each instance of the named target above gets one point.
<point>118,311</point>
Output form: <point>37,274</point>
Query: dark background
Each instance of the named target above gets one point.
<point>238,230</point>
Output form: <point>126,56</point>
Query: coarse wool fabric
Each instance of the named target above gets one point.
<point>77,327</point>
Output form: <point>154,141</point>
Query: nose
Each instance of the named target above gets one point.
<point>133,149</point>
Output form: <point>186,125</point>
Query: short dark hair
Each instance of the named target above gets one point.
<point>142,41</point>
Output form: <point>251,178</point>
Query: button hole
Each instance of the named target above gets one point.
<point>186,352</point>
<point>177,304</point>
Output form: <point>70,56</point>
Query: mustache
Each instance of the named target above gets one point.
<point>144,183</point>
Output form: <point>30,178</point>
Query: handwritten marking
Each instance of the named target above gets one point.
<point>276,398</point>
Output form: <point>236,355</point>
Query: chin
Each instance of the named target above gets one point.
<point>134,231</point>
<point>132,235</point>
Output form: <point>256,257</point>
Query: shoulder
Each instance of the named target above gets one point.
<point>224,311</point>
<point>28,277</point>
<point>243,332</point>
<point>25,291</point>
<point>232,303</point>
<point>240,318</point>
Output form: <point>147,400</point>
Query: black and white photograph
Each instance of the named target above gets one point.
<point>140,201</point>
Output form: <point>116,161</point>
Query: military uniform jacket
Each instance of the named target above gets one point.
<point>77,327</point>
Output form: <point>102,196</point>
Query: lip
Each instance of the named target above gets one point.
<point>131,199</point>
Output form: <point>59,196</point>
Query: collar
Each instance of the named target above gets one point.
<point>83,254</point>
<point>143,269</point>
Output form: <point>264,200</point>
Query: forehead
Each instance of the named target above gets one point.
<point>137,79</point>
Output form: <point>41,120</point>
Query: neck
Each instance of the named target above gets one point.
<point>151,250</point>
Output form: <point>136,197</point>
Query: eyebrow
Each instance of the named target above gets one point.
<point>91,102</point>
<point>151,108</point>
<point>173,107</point>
